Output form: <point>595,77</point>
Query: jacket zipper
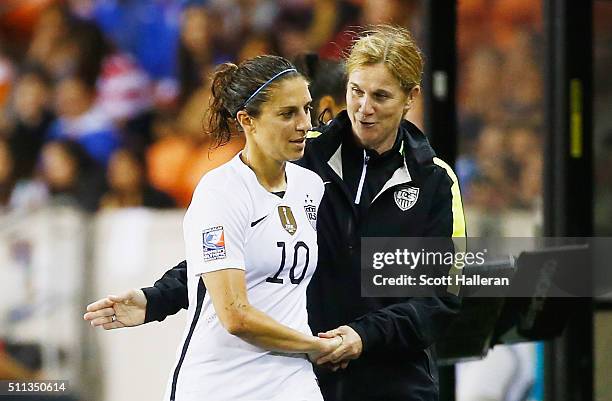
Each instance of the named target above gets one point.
<point>363,175</point>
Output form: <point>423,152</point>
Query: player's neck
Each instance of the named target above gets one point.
<point>270,173</point>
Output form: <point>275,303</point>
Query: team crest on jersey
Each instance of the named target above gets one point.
<point>287,219</point>
<point>405,198</point>
<point>213,241</point>
<point>311,212</point>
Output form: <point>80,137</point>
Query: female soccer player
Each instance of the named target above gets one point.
<point>251,242</point>
<point>383,179</point>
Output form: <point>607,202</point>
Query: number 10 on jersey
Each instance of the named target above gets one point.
<point>296,253</point>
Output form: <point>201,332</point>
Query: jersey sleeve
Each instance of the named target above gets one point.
<point>215,230</point>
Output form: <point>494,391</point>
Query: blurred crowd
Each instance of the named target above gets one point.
<point>103,102</point>
<point>602,54</point>
<point>500,104</point>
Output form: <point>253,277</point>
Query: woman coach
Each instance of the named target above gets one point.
<point>366,156</point>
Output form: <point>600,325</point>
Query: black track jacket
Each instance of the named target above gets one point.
<point>398,361</point>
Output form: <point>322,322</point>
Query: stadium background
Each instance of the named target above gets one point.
<point>128,80</point>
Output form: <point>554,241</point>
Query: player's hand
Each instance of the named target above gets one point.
<point>350,348</point>
<point>128,308</point>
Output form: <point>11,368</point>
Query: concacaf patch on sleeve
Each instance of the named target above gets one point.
<point>213,242</point>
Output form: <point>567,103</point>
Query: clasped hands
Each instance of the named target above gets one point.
<point>349,348</point>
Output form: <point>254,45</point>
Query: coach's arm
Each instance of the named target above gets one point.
<point>417,322</point>
<point>168,295</point>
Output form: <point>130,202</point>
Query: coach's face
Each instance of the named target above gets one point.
<point>376,104</point>
<point>281,127</point>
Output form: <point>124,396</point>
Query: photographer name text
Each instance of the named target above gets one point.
<point>425,280</point>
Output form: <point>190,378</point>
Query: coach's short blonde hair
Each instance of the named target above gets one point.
<point>395,48</point>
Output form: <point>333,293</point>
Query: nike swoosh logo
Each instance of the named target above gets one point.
<point>326,182</point>
<point>253,224</point>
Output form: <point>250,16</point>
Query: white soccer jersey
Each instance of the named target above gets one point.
<point>233,222</point>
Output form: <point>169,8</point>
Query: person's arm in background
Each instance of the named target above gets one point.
<point>138,306</point>
<point>323,23</point>
<point>416,323</point>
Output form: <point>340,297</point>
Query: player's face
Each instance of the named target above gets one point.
<point>376,104</point>
<point>281,127</point>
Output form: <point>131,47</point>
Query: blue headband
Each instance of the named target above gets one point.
<point>266,84</point>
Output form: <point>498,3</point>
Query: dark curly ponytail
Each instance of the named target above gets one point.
<point>221,123</point>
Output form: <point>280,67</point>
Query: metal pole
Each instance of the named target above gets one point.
<point>440,119</point>
<point>568,180</point>
<point>439,81</point>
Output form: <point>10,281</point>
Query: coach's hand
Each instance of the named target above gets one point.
<point>325,345</point>
<point>350,348</point>
<point>128,308</point>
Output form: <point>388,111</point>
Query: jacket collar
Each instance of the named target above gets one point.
<point>414,144</point>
